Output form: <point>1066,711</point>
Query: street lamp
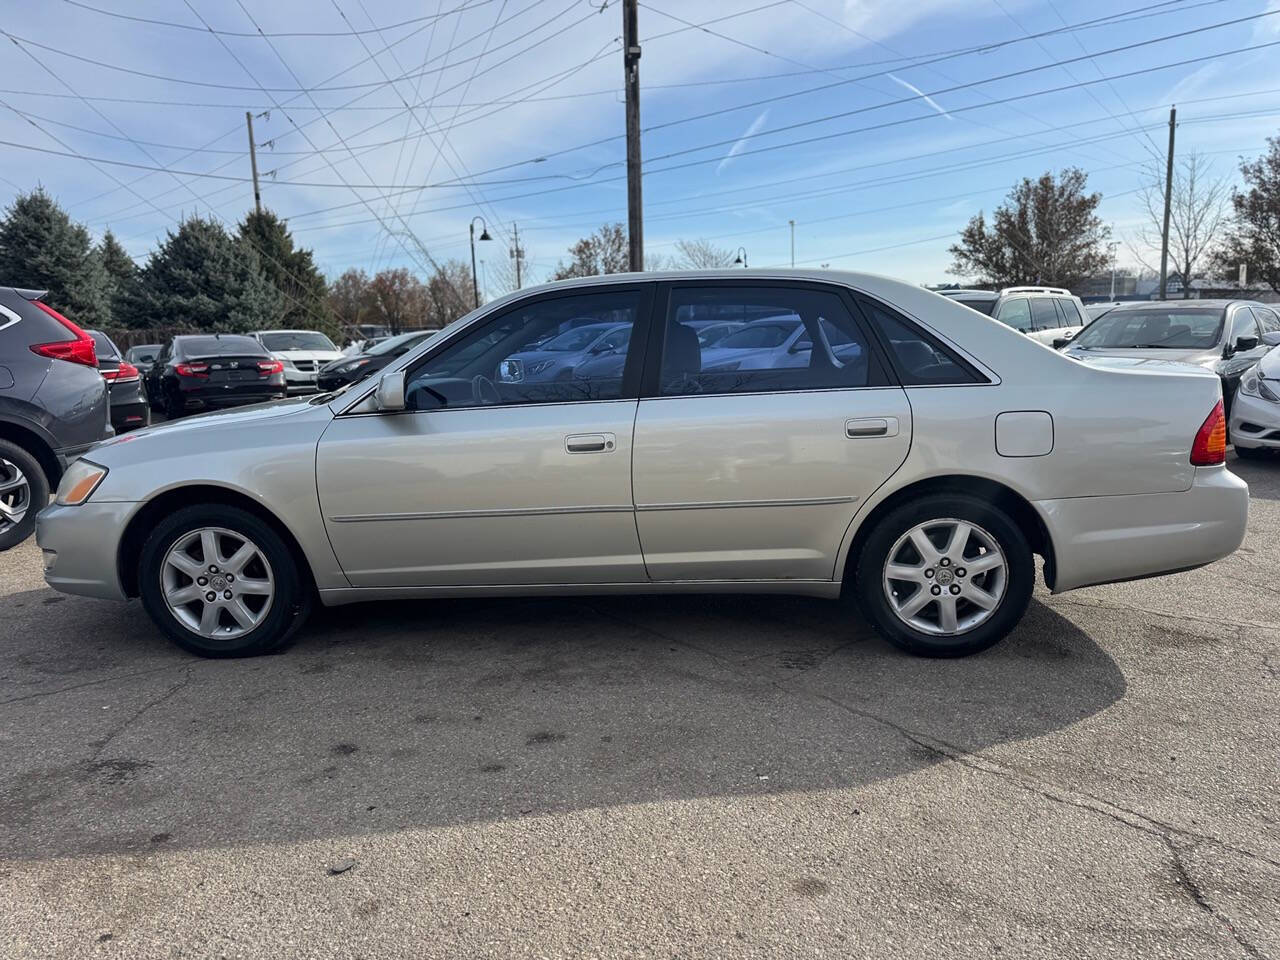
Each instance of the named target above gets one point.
<point>1113,246</point>
<point>741,258</point>
<point>484,235</point>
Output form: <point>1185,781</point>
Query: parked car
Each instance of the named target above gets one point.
<point>129,407</point>
<point>303,353</point>
<point>1050,315</point>
<point>1255,415</point>
<point>776,343</point>
<point>143,356</point>
<point>197,372</point>
<point>1225,336</point>
<point>922,480</point>
<point>1092,311</point>
<point>53,406</point>
<point>557,358</point>
<point>710,334</point>
<point>347,370</point>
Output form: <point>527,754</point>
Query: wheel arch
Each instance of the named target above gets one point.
<point>998,494</point>
<point>145,519</point>
<point>35,444</point>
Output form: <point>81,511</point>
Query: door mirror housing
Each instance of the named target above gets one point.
<point>1245,344</point>
<point>390,393</point>
<point>1060,342</point>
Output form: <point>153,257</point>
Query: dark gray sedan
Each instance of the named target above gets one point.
<point>1226,336</point>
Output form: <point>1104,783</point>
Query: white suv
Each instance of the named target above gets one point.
<point>1050,315</point>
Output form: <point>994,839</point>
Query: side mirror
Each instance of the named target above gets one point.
<point>1244,344</point>
<point>1272,338</point>
<point>390,393</point>
<point>1060,342</point>
<point>800,346</point>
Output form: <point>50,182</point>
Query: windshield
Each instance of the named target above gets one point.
<point>578,339</point>
<point>299,340</point>
<point>402,342</point>
<point>218,346</point>
<point>758,335</point>
<point>1161,328</point>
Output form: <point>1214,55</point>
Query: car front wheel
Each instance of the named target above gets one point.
<point>24,492</point>
<point>945,576</point>
<point>221,582</point>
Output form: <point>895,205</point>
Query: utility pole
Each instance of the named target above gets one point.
<point>516,251</point>
<point>793,243</point>
<point>253,162</point>
<point>1168,198</point>
<point>631,77</point>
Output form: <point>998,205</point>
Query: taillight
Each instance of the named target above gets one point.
<point>1210,446</point>
<point>200,370</point>
<point>125,373</point>
<point>78,350</point>
<point>267,367</point>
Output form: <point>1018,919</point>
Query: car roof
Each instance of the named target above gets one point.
<point>969,294</point>
<point>258,333</point>
<point>1167,304</point>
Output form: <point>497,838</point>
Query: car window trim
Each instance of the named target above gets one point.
<point>879,374</point>
<point>410,361</point>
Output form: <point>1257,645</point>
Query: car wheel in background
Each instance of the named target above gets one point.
<point>221,582</point>
<point>24,492</point>
<point>945,576</point>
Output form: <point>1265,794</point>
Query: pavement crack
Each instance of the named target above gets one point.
<point>1188,883</point>
<point>121,728</point>
<point>90,683</point>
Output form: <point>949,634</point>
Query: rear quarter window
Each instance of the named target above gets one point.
<point>920,359</point>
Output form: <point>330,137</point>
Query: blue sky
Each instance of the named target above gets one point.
<point>517,116</point>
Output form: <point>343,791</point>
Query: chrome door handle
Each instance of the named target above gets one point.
<point>590,443</point>
<point>871,427</point>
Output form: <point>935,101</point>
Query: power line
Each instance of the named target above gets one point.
<point>469,5</point>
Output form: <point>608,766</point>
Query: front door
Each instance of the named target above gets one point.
<point>494,474</point>
<point>756,472</point>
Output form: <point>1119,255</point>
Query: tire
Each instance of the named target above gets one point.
<point>270,597</point>
<point>1253,453</point>
<point>993,537</point>
<point>24,492</point>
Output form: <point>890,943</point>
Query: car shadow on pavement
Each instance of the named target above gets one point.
<point>437,713</point>
<point>1263,476</point>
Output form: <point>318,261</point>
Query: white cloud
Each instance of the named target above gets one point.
<point>920,93</point>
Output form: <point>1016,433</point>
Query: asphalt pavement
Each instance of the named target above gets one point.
<point>650,777</point>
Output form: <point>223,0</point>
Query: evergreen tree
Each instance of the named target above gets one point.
<point>201,277</point>
<point>121,277</point>
<point>42,248</point>
<point>290,269</point>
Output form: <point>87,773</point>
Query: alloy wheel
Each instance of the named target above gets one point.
<point>945,577</point>
<point>15,494</point>
<point>217,583</point>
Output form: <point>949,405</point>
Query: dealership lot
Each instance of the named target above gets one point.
<point>703,776</point>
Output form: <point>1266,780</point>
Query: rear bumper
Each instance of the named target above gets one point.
<point>81,545</point>
<point>1255,422</point>
<point>1105,539</point>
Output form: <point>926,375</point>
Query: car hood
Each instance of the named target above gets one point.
<point>1197,355</point>
<point>1269,365</point>
<point>1142,364</point>
<point>371,358</point>
<point>236,418</point>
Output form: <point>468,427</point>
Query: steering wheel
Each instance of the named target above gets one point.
<point>483,392</point>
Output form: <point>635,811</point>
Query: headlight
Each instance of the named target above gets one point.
<point>1254,386</point>
<point>78,482</point>
<point>354,365</point>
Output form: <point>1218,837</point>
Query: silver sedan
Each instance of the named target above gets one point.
<point>906,451</point>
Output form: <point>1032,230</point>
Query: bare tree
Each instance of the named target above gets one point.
<point>700,255</point>
<point>449,293</point>
<point>398,300</point>
<point>1198,215</point>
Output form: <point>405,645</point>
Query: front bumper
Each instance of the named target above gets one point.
<point>81,547</point>
<point>1105,539</point>
<point>1255,423</point>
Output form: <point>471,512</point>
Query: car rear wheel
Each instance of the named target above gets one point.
<point>221,582</point>
<point>945,576</point>
<point>24,492</point>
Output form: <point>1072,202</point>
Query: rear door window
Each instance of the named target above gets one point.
<point>1070,313</point>
<point>1043,314</point>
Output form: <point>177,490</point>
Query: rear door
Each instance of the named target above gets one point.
<point>756,472</point>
